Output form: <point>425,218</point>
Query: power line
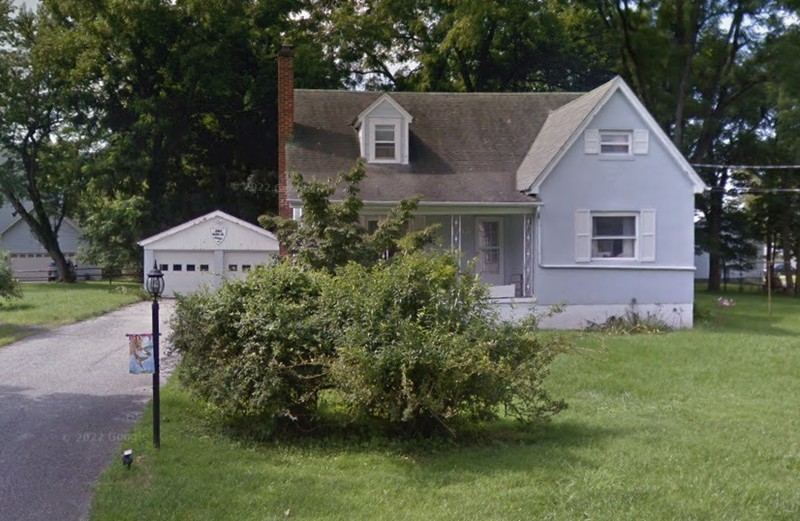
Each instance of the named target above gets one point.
<point>757,190</point>
<point>746,167</point>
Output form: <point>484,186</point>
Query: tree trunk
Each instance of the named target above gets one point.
<point>796,271</point>
<point>49,240</point>
<point>786,242</point>
<point>714,223</point>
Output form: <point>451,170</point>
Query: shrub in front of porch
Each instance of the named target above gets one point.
<point>411,342</point>
<point>419,348</point>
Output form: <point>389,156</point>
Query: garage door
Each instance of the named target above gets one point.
<point>30,266</point>
<point>185,272</point>
<point>239,263</point>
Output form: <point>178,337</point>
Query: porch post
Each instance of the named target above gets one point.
<point>527,256</point>
<point>455,233</point>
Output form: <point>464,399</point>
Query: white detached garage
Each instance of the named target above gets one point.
<point>207,250</point>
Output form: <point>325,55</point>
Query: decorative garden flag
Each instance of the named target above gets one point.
<point>142,360</point>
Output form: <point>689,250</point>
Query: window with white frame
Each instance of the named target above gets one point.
<point>489,239</point>
<point>605,236</point>
<point>615,142</point>
<point>385,139</point>
<point>614,236</point>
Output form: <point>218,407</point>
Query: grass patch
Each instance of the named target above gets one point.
<point>685,425</point>
<point>47,305</point>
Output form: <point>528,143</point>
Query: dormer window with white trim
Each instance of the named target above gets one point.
<point>384,140</point>
<point>383,132</point>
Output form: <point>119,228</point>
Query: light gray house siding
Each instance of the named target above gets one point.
<point>29,260</point>
<point>18,238</point>
<point>592,182</point>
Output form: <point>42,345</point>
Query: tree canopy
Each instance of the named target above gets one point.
<point>174,102</point>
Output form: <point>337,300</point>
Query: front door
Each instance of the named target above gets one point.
<point>489,249</point>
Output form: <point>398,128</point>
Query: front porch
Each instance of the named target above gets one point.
<point>498,240</point>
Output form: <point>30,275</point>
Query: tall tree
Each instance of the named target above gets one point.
<point>701,69</point>
<point>42,153</point>
<point>470,45</point>
<point>183,100</point>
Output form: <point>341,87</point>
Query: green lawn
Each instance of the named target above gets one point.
<point>694,425</point>
<point>50,304</point>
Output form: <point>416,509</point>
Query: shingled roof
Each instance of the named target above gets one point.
<point>464,147</point>
<point>556,132</point>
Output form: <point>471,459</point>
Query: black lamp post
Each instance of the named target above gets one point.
<point>155,286</point>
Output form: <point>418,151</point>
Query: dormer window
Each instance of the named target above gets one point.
<point>383,131</point>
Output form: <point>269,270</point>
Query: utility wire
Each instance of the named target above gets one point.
<point>747,167</point>
<point>744,191</point>
<point>756,190</point>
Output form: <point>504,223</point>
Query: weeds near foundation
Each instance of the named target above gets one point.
<point>632,322</point>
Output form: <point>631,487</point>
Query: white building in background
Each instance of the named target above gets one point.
<point>206,250</point>
<point>755,274</point>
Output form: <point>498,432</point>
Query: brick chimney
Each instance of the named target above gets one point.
<point>285,121</point>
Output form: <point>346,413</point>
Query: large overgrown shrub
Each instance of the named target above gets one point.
<point>418,347</point>
<point>257,348</point>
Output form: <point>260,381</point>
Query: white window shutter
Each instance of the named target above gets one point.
<point>641,141</point>
<point>583,236</point>
<point>591,141</point>
<point>647,248</point>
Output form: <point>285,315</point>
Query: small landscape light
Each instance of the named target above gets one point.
<point>127,458</point>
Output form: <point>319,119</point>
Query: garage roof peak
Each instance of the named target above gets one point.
<point>211,218</point>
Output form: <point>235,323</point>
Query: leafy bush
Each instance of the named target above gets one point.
<point>330,234</point>
<point>418,347</point>
<point>9,286</point>
<point>257,347</point>
<point>412,343</point>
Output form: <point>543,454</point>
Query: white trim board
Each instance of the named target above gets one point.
<point>203,218</point>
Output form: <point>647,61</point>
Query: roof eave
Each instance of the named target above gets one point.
<point>216,213</point>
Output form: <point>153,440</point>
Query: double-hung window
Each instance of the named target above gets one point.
<point>615,143</point>
<point>385,136</point>
<point>604,236</point>
<point>614,236</point>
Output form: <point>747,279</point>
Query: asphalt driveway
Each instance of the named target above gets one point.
<point>67,403</point>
